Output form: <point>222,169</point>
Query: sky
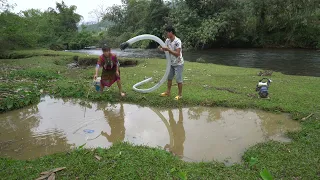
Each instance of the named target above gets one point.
<point>83,6</point>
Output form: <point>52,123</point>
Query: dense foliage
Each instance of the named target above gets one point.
<point>199,23</point>
<point>221,23</point>
<point>54,28</point>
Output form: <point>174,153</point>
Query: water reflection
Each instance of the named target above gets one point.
<point>195,113</point>
<point>18,137</point>
<point>116,123</point>
<point>179,134</point>
<point>193,134</point>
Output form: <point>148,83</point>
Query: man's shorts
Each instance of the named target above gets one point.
<point>176,71</point>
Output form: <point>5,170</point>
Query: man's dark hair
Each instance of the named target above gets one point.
<point>170,29</point>
<point>105,48</point>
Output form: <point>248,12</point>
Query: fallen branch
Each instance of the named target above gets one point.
<point>97,157</point>
<point>305,118</point>
<point>50,174</point>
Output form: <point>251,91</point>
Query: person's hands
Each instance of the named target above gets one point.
<point>165,49</point>
<point>95,76</point>
<point>117,73</point>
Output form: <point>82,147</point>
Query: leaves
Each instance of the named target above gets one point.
<point>50,174</point>
<point>27,102</point>
<point>173,170</point>
<point>179,174</point>
<point>253,161</point>
<point>81,147</point>
<point>9,105</point>
<point>182,175</point>
<point>265,174</point>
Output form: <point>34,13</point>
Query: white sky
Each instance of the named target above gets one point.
<point>83,6</point>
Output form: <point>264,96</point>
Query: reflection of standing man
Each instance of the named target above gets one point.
<point>116,123</point>
<point>179,135</point>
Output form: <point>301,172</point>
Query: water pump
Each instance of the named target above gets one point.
<point>263,86</point>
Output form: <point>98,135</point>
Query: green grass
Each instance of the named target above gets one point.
<point>207,84</point>
<point>121,161</point>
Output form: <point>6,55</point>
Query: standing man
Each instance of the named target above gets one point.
<point>174,47</point>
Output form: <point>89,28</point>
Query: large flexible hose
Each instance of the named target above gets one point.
<point>165,76</point>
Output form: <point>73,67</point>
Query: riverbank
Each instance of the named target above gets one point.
<point>287,61</point>
<point>46,72</point>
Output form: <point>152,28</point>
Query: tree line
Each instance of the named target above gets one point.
<point>56,28</point>
<point>200,24</point>
<point>220,23</point>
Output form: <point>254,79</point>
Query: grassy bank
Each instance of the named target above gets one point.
<point>23,80</point>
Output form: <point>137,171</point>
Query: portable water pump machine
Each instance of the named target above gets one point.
<point>263,86</point>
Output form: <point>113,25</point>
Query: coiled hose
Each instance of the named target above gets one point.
<point>165,76</point>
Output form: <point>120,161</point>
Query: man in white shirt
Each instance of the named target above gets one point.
<point>174,47</point>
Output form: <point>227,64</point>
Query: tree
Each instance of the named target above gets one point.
<point>205,8</point>
<point>155,18</point>
<point>99,12</point>
<point>5,6</point>
<point>287,22</point>
<point>34,28</point>
<point>127,22</point>
<point>68,21</point>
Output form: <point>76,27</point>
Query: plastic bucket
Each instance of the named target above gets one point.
<point>96,83</point>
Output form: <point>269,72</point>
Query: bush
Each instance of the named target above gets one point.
<point>75,46</point>
<point>56,47</point>
<point>87,60</point>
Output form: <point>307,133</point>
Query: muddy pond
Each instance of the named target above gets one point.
<point>193,134</point>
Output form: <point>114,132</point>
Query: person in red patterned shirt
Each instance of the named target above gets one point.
<point>110,70</point>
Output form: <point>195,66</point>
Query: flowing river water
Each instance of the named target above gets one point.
<point>287,61</point>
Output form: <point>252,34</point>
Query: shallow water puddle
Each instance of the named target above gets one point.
<point>194,134</point>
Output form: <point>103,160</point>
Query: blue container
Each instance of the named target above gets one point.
<point>97,86</point>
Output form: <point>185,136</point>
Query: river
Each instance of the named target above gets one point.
<point>286,61</point>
